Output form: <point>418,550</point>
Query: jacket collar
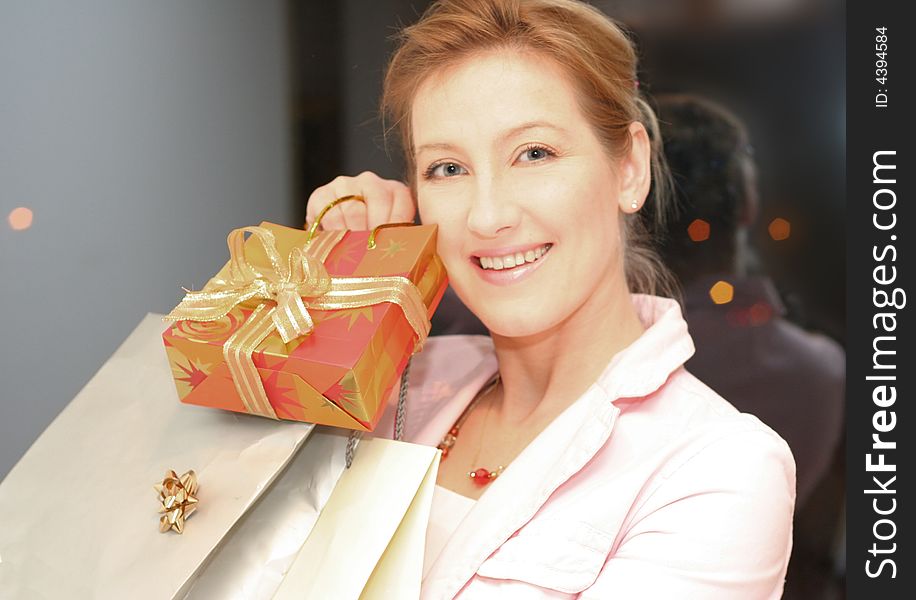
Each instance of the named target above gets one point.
<point>643,366</point>
<point>562,449</point>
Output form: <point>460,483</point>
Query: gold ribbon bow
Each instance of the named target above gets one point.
<point>177,499</point>
<point>299,283</point>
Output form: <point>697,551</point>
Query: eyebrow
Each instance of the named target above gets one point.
<point>505,135</point>
<point>531,125</point>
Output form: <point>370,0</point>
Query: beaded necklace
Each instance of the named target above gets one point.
<point>479,476</point>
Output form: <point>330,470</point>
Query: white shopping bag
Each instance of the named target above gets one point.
<point>78,513</point>
<point>370,538</point>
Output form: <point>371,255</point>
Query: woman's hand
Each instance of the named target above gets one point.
<point>387,201</point>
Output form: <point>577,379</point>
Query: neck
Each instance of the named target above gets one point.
<point>544,373</point>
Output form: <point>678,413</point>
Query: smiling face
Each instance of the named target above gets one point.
<point>525,195</point>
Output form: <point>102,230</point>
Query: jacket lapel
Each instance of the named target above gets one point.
<point>559,452</point>
<point>463,367</point>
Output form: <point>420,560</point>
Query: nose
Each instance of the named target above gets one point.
<point>493,210</point>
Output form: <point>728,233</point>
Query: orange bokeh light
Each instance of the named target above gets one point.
<point>698,230</point>
<point>721,292</point>
<point>20,218</point>
<point>779,229</point>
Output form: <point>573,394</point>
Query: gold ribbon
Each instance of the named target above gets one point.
<point>296,285</point>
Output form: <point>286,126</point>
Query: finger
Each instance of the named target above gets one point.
<point>378,199</point>
<point>403,205</point>
<point>350,214</point>
<point>320,198</point>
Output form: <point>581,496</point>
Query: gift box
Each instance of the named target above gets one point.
<point>315,330</point>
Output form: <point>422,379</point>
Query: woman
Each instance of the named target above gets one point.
<point>581,459</point>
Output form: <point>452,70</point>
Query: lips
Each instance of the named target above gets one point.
<point>512,260</point>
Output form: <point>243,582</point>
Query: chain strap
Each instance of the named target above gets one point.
<point>400,414</point>
<point>402,403</point>
<point>352,442</point>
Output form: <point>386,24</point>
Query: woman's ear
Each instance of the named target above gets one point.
<point>635,170</point>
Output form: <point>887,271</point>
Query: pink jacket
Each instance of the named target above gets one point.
<point>649,486</point>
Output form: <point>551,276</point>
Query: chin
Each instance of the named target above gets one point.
<point>516,322</point>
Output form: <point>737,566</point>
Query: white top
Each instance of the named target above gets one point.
<point>448,510</point>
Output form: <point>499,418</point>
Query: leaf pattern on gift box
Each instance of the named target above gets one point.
<point>353,314</point>
<point>350,393</point>
<point>432,281</point>
<point>195,372</point>
<point>347,251</point>
<point>265,358</point>
<point>284,406</point>
<point>394,247</point>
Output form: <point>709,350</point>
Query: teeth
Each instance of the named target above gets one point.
<point>513,260</point>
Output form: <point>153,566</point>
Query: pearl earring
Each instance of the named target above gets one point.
<point>634,206</point>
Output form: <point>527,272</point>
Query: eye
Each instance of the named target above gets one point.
<point>535,153</point>
<point>444,169</point>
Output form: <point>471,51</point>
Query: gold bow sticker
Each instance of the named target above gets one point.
<point>295,285</point>
<point>178,499</point>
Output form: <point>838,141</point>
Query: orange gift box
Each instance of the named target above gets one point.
<point>342,371</point>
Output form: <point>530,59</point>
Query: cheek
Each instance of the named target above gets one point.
<point>597,209</point>
<point>452,225</point>
<point>578,208</point>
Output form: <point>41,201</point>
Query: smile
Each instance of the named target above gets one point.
<point>510,261</point>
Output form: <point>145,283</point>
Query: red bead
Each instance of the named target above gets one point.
<point>481,477</point>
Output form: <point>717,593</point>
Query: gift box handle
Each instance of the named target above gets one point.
<point>371,243</point>
<point>313,229</point>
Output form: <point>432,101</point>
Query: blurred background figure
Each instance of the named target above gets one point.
<point>792,379</point>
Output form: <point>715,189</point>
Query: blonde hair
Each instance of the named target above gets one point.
<point>596,54</point>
